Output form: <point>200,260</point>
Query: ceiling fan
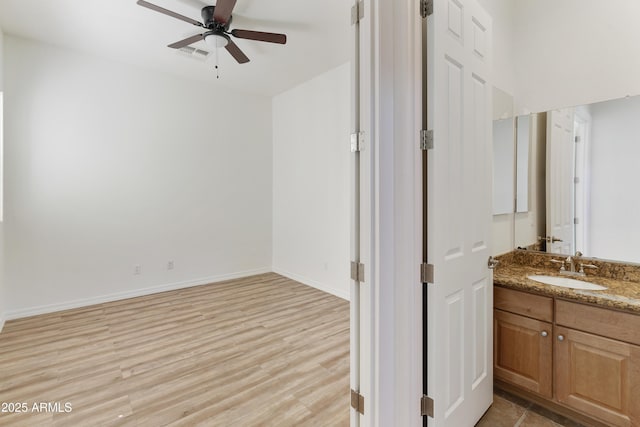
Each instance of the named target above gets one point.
<point>217,20</point>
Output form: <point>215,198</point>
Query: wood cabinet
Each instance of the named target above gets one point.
<point>578,357</point>
<point>597,362</point>
<point>598,376</point>
<point>523,352</point>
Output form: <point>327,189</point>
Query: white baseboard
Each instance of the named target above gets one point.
<point>1,322</point>
<point>43,309</point>
<point>313,283</point>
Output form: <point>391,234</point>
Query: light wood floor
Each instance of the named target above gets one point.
<point>264,350</point>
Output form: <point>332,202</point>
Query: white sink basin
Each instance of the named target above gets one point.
<point>566,282</point>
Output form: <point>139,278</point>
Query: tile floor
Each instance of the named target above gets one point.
<point>510,411</point>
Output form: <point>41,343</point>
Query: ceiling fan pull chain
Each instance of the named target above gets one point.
<point>217,69</point>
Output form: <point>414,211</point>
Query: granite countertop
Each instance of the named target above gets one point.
<point>620,294</point>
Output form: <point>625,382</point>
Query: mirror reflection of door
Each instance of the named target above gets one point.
<point>582,123</point>
<point>523,137</point>
<point>560,182</point>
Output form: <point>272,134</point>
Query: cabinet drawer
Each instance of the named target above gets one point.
<point>534,306</point>
<point>599,321</point>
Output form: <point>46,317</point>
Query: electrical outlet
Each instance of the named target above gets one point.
<point>169,265</point>
<point>137,270</point>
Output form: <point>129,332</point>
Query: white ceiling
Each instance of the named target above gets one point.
<point>317,36</point>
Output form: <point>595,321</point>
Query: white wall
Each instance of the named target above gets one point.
<point>614,205</point>
<point>2,281</point>
<point>109,166</point>
<point>1,59</point>
<point>311,182</point>
<point>503,13</point>
<point>573,52</point>
<point>502,104</point>
<point>550,54</point>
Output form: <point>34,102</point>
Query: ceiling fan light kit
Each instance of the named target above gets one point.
<point>217,20</point>
<point>216,40</point>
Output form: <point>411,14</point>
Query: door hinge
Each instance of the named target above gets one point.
<point>357,142</point>
<point>426,139</point>
<point>357,12</point>
<point>357,401</point>
<point>576,180</point>
<point>357,271</point>
<point>426,273</point>
<point>426,8</point>
<point>492,262</point>
<point>576,221</point>
<point>576,138</point>
<point>426,406</point>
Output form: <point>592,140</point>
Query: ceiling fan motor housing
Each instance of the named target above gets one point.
<point>210,23</point>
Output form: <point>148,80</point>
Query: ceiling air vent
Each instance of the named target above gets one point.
<point>194,53</point>
<point>201,53</point>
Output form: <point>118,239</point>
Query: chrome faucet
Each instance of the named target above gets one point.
<point>572,262</point>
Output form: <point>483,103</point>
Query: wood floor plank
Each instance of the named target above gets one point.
<point>262,350</point>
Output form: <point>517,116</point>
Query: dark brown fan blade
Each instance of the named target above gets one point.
<point>223,10</point>
<point>260,36</point>
<point>235,51</point>
<point>187,41</point>
<point>168,12</point>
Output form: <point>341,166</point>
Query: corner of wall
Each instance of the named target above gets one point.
<point>324,287</point>
<point>310,222</point>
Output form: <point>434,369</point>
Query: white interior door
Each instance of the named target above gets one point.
<point>560,184</point>
<point>460,301</point>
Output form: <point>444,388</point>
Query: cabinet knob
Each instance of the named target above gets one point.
<point>544,333</point>
<point>560,337</point>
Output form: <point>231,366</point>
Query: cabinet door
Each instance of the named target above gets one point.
<point>523,352</point>
<point>598,376</point>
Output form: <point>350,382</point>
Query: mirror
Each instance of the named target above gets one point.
<point>503,166</point>
<point>583,171</point>
<point>522,163</point>
<point>511,150</point>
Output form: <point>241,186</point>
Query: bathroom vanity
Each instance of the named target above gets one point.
<point>575,351</point>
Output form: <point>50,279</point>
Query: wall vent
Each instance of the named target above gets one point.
<point>201,53</point>
<point>194,53</point>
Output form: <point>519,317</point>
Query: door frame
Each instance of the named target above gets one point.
<point>393,80</point>
<point>393,101</point>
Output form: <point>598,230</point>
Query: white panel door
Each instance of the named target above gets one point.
<point>460,375</point>
<point>560,172</point>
